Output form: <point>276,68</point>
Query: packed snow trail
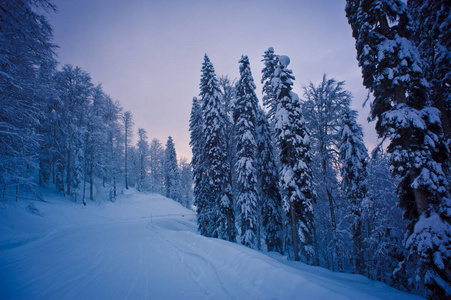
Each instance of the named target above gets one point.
<point>146,247</point>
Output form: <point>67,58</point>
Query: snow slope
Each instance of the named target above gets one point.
<point>146,246</point>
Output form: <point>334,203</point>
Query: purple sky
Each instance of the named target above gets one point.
<point>148,53</point>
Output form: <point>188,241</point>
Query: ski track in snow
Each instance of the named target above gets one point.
<point>147,247</point>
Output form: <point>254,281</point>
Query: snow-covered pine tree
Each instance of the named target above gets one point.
<point>156,166</point>
<point>215,157</point>
<point>197,143</point>
<point>293,141</point>
<point>143,153</point>
<point>171,172</point>
<point>268,187</point>
<point>228,95</point>
<point>128,131</point>
<point>244,114</point>
<point>431,20</point>
<point>270,60</point>
<point>186,180</point>
<point>392,71</point>
<point>354,158</point>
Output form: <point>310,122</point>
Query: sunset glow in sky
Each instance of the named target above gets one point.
<point>148,53</point>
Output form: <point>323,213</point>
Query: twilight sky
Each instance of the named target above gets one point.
<point>148,53</point>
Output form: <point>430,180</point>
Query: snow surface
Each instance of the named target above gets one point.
<point>146,246</point>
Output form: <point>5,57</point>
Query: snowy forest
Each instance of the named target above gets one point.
<point>272,170</point>
<point>59,128</point>
<point>295,176</point>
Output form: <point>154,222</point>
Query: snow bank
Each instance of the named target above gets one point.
<point>147,246</point>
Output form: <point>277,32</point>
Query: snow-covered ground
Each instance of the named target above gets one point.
<point>146,246</point>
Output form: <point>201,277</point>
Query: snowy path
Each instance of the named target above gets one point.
<point>146,247</point>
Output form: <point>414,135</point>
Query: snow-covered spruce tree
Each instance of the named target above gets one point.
<point>323,107</point>
<point>26,49</point>
<point>156,166</point>
<point>354,158</point>
<point>270,60</point>
<point>268,187</point>
<point>431,20</point>
<point>143,156</point>
<point>215,157</point>
<point>128,131</point>
<point>295,177</point>
<point>228,95</point>
<point>201,185</point>
<point>392,71</point>
<point>244,114</point>
<point>186,180</point>
<point>171,172</point>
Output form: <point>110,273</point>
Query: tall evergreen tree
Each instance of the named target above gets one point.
<point>186,180</point>
<point>197,143</point>
<point>245,111</point>
<point>268,179</point>
<point>171,172</point>
<point>143,153</point>
<point>215,154</point>
<point>293,141</point>
<point>392,72</point>
<point>156,166</point>
<point>433,40</point>
<point>128,130</point>
<point>354,156</point>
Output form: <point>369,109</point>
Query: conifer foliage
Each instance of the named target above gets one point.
<point>220,209</point>
<point>245,112</point>
<point>293,142</point>
<point>391,69</point>
<point>354,159</point>
<point>171,172</point>
<point>268,187</point>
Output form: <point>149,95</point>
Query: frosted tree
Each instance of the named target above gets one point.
<point>268,179</point>
<point>143,156</point>
<point>391,69</point>
<point>215,157</point>
<point>323,106</point>
<point>186,181</point>
<point>228,95</point>
<point>112,158</point>
<point>295,177</point>
<point>171,172</point>
<point>382,224</point>
<point>201,186</point>
<point>270,61</point>
<point>128,131</point>
<point>354,156</point>
<point>245,111</point>
<point>74,89</point>
<point>432,38</point>
<point>26,51</point>
<point>156,166</point>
